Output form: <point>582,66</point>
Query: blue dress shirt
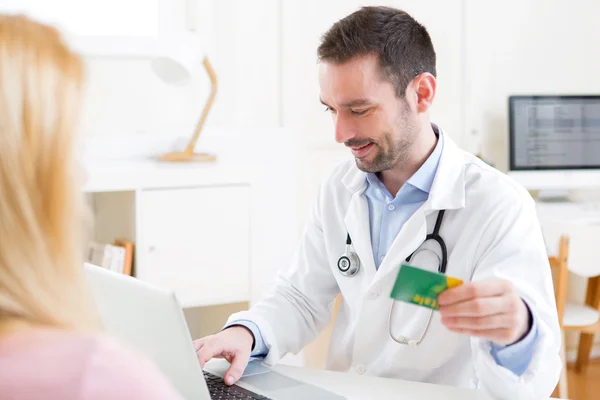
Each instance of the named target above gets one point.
<point>387,215</point>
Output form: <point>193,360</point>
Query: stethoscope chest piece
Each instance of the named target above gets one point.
<point>348,263</point>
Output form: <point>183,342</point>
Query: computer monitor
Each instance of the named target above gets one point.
<point>554,141</point>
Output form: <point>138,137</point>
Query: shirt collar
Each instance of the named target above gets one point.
<point>423,178</point>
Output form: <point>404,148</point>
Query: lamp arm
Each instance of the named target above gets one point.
<point>213,80</point>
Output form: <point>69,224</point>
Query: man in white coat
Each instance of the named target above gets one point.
<point>499,331</point>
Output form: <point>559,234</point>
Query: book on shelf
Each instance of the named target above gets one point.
<point>117,257</point>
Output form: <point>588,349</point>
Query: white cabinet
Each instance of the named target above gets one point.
<point>190,224</point>
<point>215,233</point>
<point>195,241</point>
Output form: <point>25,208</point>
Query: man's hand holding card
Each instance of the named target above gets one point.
<point>488,309</point>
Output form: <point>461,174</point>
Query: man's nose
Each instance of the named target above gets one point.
<point>343,130</point>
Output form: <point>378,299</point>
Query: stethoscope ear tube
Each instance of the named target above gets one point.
<point>435,236</point>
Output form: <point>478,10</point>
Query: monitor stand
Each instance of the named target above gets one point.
<point>553,195</point>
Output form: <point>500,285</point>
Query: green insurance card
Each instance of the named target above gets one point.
<point>421,287</point>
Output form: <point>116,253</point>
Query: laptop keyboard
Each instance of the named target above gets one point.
<point>220,391</point>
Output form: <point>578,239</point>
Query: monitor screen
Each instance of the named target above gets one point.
<point>554,132</point>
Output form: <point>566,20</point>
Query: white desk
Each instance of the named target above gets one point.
<point>580,212</point>
<point>361,387</point>
<point>565,218</point>
<point>357,387</point>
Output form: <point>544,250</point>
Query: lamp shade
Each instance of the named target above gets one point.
<point>177,57</point>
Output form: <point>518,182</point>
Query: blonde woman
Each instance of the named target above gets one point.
<point>49,345</point>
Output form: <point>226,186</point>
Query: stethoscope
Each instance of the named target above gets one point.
<point>349,265</point>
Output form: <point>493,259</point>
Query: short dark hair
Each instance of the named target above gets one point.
<point>402,45</point>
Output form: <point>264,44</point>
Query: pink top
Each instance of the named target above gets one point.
<point>55,364</point>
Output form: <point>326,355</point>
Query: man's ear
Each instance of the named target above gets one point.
<point>424,86</point>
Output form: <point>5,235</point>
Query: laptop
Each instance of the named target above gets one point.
<point>150,320</point>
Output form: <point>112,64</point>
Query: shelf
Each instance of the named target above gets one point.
<point>123,175</point>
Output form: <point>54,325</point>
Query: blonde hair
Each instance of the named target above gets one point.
<point>42,211</point>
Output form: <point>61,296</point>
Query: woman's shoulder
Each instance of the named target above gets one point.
<point>115,371</point>
<point>80,366</point>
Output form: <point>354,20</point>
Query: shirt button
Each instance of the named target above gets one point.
<point>373,295</point>
<point>360,369</point>
<point>391,207</point>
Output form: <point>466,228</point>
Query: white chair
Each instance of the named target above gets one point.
<point>577,253</point>
<point>582,260</point>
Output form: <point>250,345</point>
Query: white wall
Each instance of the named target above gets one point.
<point>524,47</point>
<point>124,97</point>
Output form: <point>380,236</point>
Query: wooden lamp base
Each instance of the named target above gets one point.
<point>188,157</point>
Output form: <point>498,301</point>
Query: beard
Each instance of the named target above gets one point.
<point>387,156</point>
<point>393,148</point>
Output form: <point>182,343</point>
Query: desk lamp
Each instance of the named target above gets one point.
<point>178,57</point>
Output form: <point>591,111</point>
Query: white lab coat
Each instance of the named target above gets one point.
<point>490,229</point>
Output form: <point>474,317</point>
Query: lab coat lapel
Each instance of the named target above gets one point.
<point>412,234</point>
<point>357,221</point>
<point>357,224</point>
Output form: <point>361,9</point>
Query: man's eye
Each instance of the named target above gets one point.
<point>359,112</point>
<point>329,109</point>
